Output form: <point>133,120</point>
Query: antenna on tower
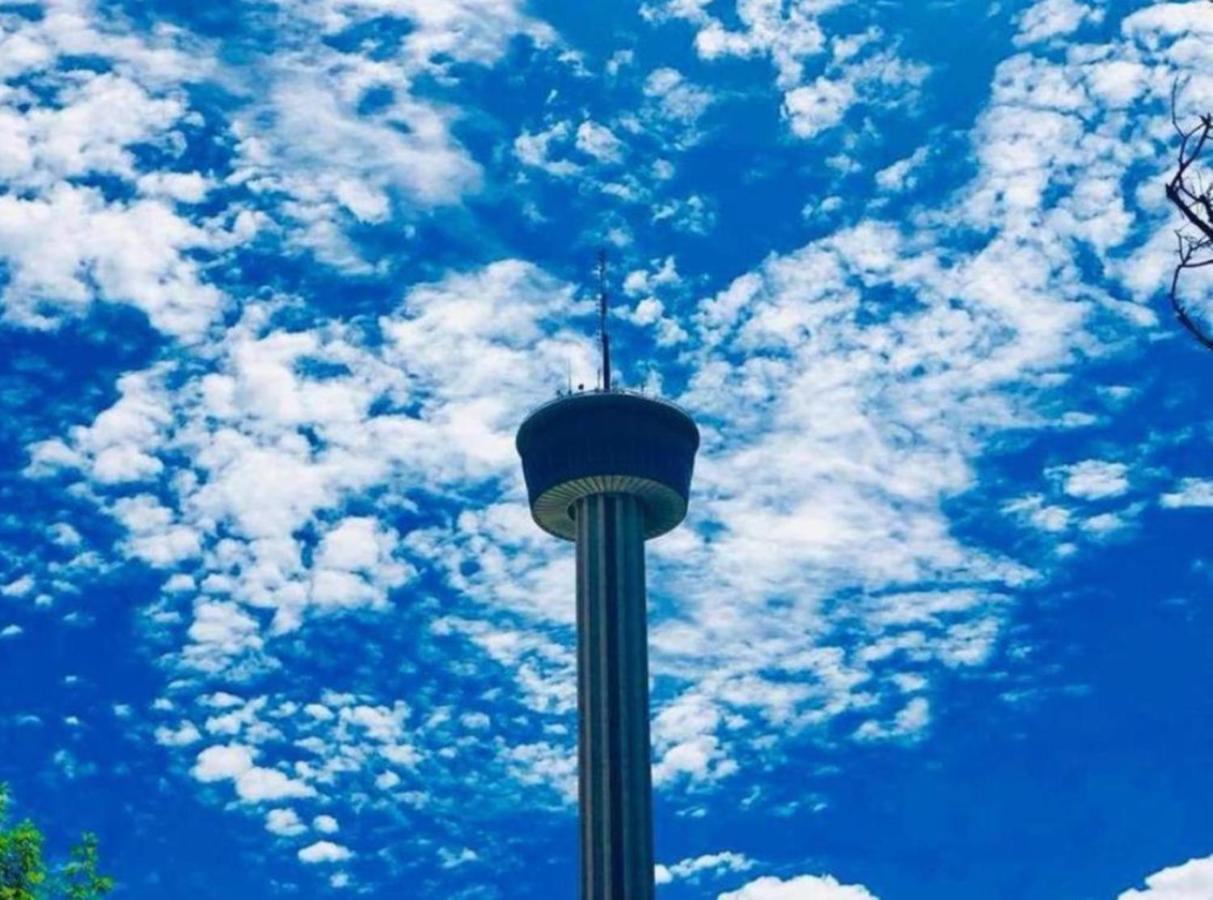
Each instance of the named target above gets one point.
<point>603,338</point>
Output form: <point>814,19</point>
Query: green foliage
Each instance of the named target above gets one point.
<point>23,871</point>
<point>80,879</point>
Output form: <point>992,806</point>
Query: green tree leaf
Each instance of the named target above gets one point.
<point>23,870</point>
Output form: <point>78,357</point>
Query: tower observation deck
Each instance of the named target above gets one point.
<point>609,470</point>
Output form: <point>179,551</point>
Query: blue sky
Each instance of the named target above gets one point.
<point>279,280</point>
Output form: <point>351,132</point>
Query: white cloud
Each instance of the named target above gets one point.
<point>902,175</point>
<point>910,721</point>
<point>307,140</point>
<point>185,734</point>
<point>1192,880</point>
<point>1047,19</point>
<point>713,864</point>
<point>599,142</point>
<point>307,136</point>
<point>1106,524</point>
<point>812,108</point>
<point>300,127</point>
<point>838,433</point>
<point>1046,517</point>
<point>18,587</point>
<point>284,822</point>
<point>325,824</point>
<point>221,631</point>
<point>676,101</point>
<point>257,785</point>
<point>1190,492</point>
<point>65,245</point>
<point>792,37</point>
<point>1093,479</point>
<point>789,34</point>
<point>684,743</point>
<point>254,784</point>
<point>281,534</point>
<point>452,860</point>
<point>222,762</point>
<point>68,247</point>
<point>802,887</point>
<point>324,852</point>
<point>536,149</point>
<point>255,482</point>
<point>819,442</point>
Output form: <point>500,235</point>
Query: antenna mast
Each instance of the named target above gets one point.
<point>603,337</point>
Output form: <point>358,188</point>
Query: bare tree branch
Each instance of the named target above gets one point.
<point>1187,191</point>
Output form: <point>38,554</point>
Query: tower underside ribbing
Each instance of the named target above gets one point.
<point>613,700</point>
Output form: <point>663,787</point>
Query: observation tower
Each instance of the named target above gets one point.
<point>610,469</point>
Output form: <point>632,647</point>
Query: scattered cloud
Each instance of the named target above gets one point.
<point>599,142</point>
<point>1093,479</point>
<point>324,852</point>
<point>1048,19</point>
<point>714,865</point>
<point>284,822</point>
<point>1190,492</point>
<point>326,824</point>
<point>854,67</point>
<point>288,471</point>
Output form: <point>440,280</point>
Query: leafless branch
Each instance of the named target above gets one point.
<point>1187,191</point>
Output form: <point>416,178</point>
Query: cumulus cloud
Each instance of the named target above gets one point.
<point>69,246</point>
<point>674,107</point>
<point>1192,880</point>
<point>1190,492</point>
<point>1047,19</point>
<point>284,822</point>
<point>66,244</point>
<point>599,142</point>
<point>222,762</point>
<point>182,736</point>
<point>325,824</point>
<point>1093,479</point>
<point>258,785</point>
<point>802,887</point>
<point>256,482</point>
<point>254,784</point>
<point>324,852</point>
<point>536,149</point>
<point>264,529</point>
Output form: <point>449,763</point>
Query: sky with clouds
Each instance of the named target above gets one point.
<point>280,278</point>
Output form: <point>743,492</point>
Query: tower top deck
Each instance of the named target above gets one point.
<point>599,442</point>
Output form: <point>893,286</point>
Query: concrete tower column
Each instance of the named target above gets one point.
<point>611,470</point>
<point>613,700</point>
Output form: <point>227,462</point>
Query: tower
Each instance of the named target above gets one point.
<point>610,469</point>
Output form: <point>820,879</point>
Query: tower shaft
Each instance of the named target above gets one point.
<point>613,699</point>
<point>610,469</point>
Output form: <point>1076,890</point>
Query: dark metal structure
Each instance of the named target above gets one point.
<point>610,469</point>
